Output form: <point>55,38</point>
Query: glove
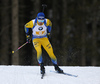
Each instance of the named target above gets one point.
<point>48,35</point>
<point>28,38</point>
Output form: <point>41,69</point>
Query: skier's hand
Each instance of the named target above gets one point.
<point>28,38</point>
<point>48,35</point>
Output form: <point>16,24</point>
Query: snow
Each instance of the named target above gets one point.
<point>31,75</point>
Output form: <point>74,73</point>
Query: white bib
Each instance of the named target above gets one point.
<point>39,30</point>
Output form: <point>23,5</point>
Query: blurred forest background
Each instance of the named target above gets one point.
<point>75,33</point>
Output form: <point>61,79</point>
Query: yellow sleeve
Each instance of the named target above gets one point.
<point>29,24</point>
<point>48,23</point>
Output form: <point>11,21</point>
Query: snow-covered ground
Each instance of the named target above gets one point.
<point>31,75</point>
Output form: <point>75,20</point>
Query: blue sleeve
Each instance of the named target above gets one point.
<point>26,30</point>
<point>49,29</point>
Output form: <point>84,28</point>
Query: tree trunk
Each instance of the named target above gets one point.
<point>22,39</point>
<point>55,40</point>
<point>5,37</point>
<point>94,43</point>
<point>64,37</point>
<point>15,32</point>
<point>94,34</point>
<point>83,39</point>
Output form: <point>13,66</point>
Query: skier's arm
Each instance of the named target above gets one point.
<point>49,26</point>
<point>26,28</point>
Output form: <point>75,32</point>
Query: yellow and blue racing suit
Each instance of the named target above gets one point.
<point>39,38</point>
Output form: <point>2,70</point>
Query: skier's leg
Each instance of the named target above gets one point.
<point>59,70</point>
<point>37,46</point>
<point>47,46</point>
<point>42,68</point>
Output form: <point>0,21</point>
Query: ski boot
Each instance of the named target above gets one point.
<point>42,69</point>
<point>58,69</point>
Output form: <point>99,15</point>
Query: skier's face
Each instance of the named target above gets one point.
<point>40,21</point>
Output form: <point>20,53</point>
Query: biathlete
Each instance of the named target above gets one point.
<point>41,28</point>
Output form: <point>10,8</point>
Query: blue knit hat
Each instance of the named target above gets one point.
<point>40,15</point>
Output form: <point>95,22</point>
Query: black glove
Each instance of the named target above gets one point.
<point>48,35</point>
<point>28,38</point>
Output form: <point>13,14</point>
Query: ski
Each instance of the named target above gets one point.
<point>65,74</point>
<point>70,74</point>
<point>42,75</point>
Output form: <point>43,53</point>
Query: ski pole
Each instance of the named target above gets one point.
<point>19,47</point>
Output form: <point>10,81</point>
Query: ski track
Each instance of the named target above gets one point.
<point>31,75</point>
